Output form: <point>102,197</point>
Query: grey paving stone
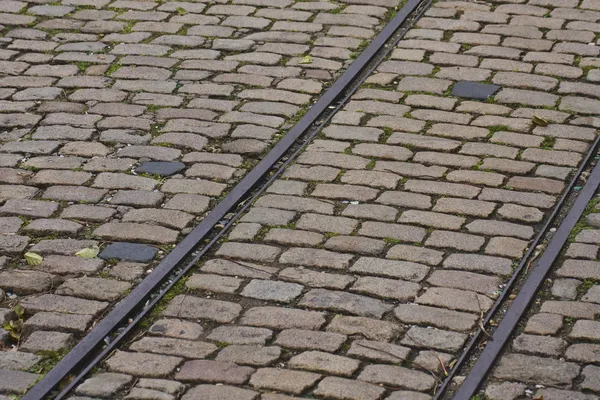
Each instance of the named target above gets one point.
<point>397,376</point>
<point>378,351</point>
<point>174,347</point>
<point>345,388</point>
<point>93,288</point>
<point>325,363</point>
<point>358,305</point>
<point>505,390</point>
<point>62,304</point>
<point>535,344</point>
<point>369,328</point>
<point>241,335</point>
<point>474,90</point>
<point>272,290</point>
<point>46,321</point>
<point>418,314</point>
<point>142,364</point>
<point>212,392</point>
<point>176,328</point>
<point>16,381</point>
<point>162,168</point>
<point>17,360</point>
<point>310,340</point>
<point>129,252</point>
<point>434,338</point>
<point>250,355</point>
<point>537,369</point>
<point>199,308</point>
<point>47,341</point>
<point>103,385</point>
<point>213,283</point>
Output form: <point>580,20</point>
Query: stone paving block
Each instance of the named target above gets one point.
<point>316,258</point>
<point>272,290</point>
<point>241,335</point>
<point>370,328</point>
<point>359,305</point>
<point>505,390</point>
<point>213,283</point>
<point>344,388</point>
<point>455,240</point>
<point>213,392</point>
<point>455,299</point>
<point>125,231</point>
<point>45,321</point>
<point>397,377</point>
<point>94,288</point>
<point>404,199</point>
<point>214,372</point>
<point>17,360</point>
<point>244,269</point>
<point>253,252</point>
<point>176,328</point>
<point>465,280</point>
<point>386,288</point>
<point>325,363</point>
<point>447,319</point>
<point>16,381</point>
<point>538,345</point>
<point>47,341</point>
<point>282,318</point>
<point>250,355</point>
<point>294,382</point>
<point>194,307</point>
<point>143,364</point>
<point>103,385</point>
<point>537,369</point>
<point>397,269</point>
<point>572,309</point>
<point>62,304</point>
<point>316,279</point>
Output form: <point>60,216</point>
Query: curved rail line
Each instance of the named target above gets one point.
<point>486,360</point>
<point>123,318</point>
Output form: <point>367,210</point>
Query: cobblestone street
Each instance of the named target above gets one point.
<point>361,273</point>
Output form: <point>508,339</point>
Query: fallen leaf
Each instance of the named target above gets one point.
<point>33,258</point>
<point>19,310</point>
<point>539,121</point>
<point>306,60</point>
<point>89,252</point>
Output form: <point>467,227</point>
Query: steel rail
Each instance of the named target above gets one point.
<point>333,98</point>
<point>519,306</point>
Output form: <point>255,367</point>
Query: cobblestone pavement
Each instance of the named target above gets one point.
<point>358,275</point>
<point>553,354</point>
<point>123,122</point>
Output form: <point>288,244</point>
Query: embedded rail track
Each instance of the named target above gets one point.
<point>125,316</point>
<point>565,214</point>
